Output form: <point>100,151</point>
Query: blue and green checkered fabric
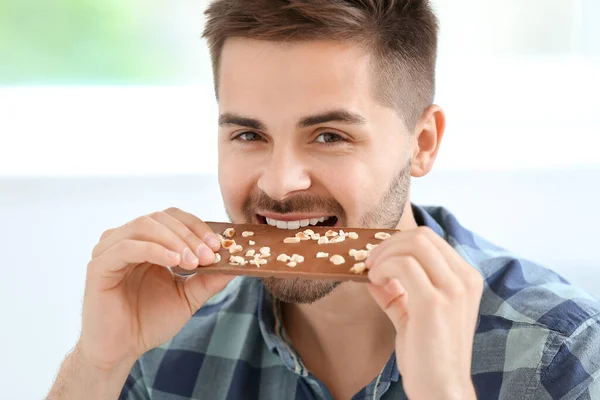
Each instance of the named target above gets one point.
<point>538,337</point>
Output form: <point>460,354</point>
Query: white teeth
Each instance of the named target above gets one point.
<point>282,224</point>
<point>293,224</point>
<point>271,222</point>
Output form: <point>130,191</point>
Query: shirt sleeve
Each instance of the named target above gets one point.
<point>592,392</point>
<point>135,387</point>
<point>574,371</point>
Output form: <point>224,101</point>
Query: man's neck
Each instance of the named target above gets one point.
<point>344,339</point>
<point>345,331</point>
<point>347,313</point>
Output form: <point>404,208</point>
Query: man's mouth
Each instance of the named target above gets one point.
<point>283,222</point>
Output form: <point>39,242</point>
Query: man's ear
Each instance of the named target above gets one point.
<point>427,140</point>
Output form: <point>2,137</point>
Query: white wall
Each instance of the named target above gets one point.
<point>518,80</point>
<point>502,115</point>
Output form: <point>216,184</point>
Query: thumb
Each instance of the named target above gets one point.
<point>199,288</point>
<point>392,298</point>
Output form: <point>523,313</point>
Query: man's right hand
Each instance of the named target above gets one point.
<point>133,302</point>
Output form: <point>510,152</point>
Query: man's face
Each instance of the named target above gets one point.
<point>302,140</point>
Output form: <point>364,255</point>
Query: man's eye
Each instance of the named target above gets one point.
<point>329,137</point>
<point>248,137</point>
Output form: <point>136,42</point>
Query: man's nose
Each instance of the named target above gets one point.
<point>283,175</point>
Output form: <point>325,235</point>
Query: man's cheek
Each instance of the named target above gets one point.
<point>355,195</point>
<point>236,192</point>
<point>228,176</point>
<point>228,193</point>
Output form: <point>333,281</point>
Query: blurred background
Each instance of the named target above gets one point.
<point>107,113</point>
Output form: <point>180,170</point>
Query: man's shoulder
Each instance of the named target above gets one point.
<point>527,305</point>
<point>517,290</point>
<point>537,334</point>
<point>522,292</point>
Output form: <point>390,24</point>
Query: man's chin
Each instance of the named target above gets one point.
<point>298,291</point>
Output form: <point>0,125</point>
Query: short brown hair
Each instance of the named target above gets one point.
<point>400,34</point>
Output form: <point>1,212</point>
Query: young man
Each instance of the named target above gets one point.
<point>326,111</point>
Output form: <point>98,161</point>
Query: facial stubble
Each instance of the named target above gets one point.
<point>386,215</point>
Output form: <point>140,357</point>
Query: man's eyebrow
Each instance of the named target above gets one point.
<point>229,119</point>
<point>343,116</point>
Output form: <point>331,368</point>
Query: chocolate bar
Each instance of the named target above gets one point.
<point>312,252</point>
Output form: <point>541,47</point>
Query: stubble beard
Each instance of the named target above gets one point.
<point>386,215</point>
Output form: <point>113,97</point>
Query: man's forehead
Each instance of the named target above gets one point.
<point>295,79</point>
<point>263,50</point>
<point>247,62</point>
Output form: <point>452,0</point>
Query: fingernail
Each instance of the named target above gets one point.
<point>212,241</point>
<point>172,255</point>
<point>206,254</point>
<point>189,257</point>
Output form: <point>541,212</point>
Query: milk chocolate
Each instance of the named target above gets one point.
<point>310,268</point>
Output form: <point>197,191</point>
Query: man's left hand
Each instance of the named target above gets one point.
<point>432,297</point>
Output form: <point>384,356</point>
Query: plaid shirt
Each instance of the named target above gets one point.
<point>537,338</point>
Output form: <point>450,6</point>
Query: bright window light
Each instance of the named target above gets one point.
<point>518,80</point>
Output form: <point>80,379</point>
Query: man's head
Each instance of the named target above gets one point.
<point>325,112</point>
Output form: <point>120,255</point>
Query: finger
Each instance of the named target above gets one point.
<point>387,293</point>
<point>407,235</point>
<point>464,275</point>
<point>128,252</point>
<point>418,244</point>
<point>106,234</point>
<point>408,271</point>
<point>103,236</point>
<point>205,255</point>
<point>199,288</point>
<point>149,230</point>
<point>196,225</point>
<point>455,261</point>
<point>392,299</point>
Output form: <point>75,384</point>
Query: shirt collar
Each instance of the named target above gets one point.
<point>271,327</point>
